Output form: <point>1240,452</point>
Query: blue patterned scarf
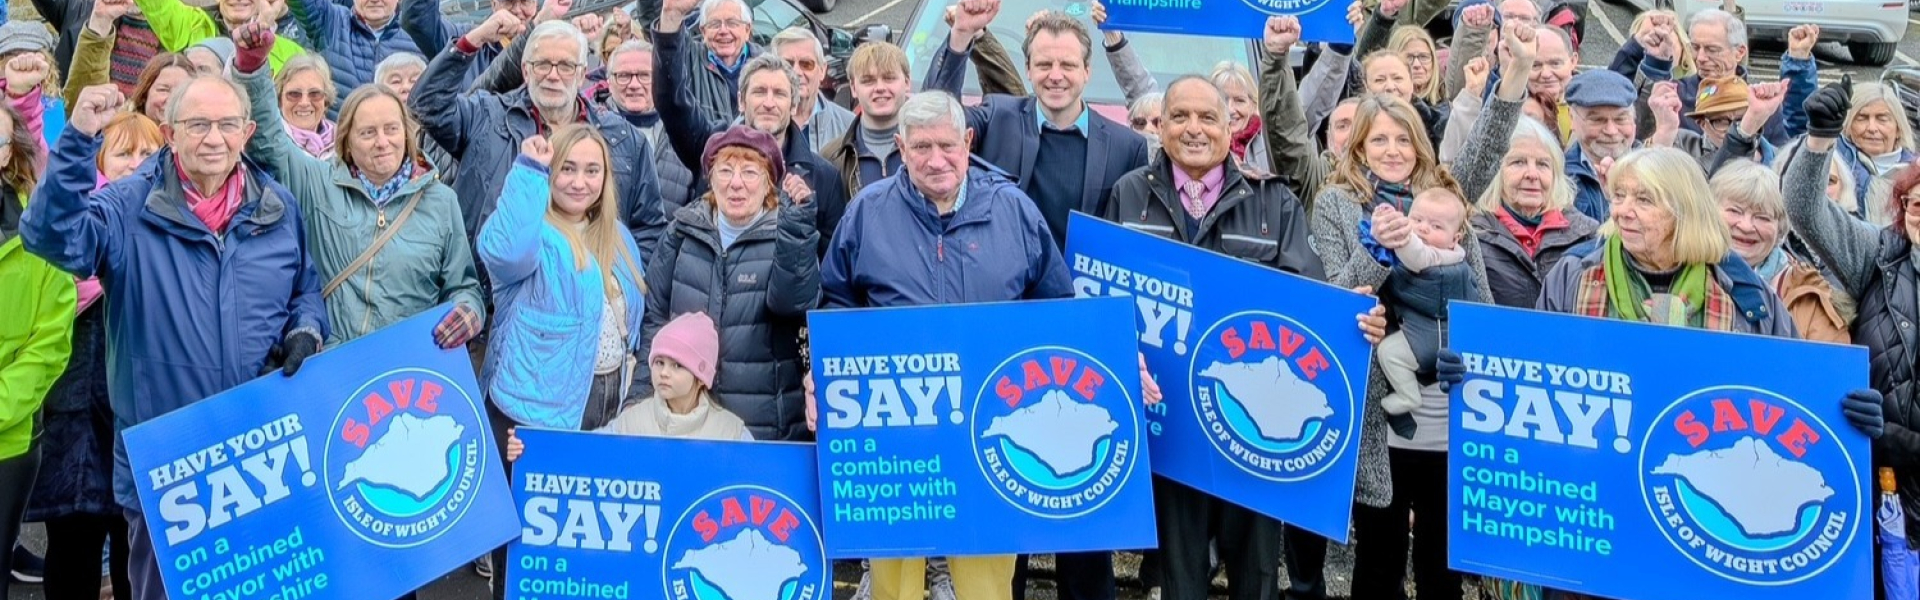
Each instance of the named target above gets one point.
<point>384,192</point>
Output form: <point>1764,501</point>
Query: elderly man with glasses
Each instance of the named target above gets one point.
<point>1718,40</point>
<point>819,119</point>
<point>209,281</point>
<point>710,66</point>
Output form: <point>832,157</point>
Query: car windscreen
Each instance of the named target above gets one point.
<point>1166,56</point>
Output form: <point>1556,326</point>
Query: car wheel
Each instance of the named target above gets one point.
<point>1872,54</point>
<point>820,6</point>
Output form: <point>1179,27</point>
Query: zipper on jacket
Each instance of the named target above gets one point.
<point>940,248</point>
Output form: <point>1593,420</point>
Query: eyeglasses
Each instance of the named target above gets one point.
<point>314,95</point>
<point>726,23</point>
<point>1716,123</point>
<point>729,174</point>
<point>627,78</point>
<point>1143,122</point>
<point>201,127</point>
<point>804,64</point>
<point>566,68</point>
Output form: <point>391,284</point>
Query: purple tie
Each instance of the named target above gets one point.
<point>1193,190</point>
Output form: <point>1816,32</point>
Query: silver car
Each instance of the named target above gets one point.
<point>1871,29</point>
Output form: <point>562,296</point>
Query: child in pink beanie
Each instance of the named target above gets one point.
<point>685,354</point>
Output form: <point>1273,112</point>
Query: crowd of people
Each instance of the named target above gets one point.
<point>632,214</point>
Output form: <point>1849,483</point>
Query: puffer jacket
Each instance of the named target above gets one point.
<point>164,272</point>
<point>893,250</point>
<point>1417,303</point>
<point>546,324</point>
<point>1514,276</point>
<point>1876,267</point>
<point>758,292</point>
<point>36,332</point>
<point>426,264</point>
<point>351,47</point>
<point>483,131</point>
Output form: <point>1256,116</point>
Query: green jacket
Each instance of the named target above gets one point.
<point>180,26</point>
<point>36,336</point>
<point>429,262</point>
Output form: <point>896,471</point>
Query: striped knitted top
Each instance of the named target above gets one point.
<point>134,44</point>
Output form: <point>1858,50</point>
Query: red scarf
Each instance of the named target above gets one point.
<point>1529,237</point>
<point>216,210</point>
<point>1244,137</point>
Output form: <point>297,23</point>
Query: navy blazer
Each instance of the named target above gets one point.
<point>1006,133</point>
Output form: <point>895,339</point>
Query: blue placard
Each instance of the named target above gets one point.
<point>1264,372</point>
<point>1320,20</point>
<point>1706,465</point>
<point>368,475</point>
<point>642,518</point>
<point>981,429</point>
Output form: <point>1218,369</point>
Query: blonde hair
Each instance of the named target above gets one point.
<point>1228,71</point>
<point>1865,94</point>
<point>603,240</point>
<point>1674,180</point>
<point>1751,187</point>
<point>1433,92</point>
<point>1560,196</point>
<point>879,58</point>
<point>128,130</point>
<point>1682,60</point>
<point>1349,172</point>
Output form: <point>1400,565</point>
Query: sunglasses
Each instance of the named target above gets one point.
<point>1143,122</point>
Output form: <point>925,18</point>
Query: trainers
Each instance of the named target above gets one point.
<point>27,566</point>
<point>484,566</point>
<point>941,579</point>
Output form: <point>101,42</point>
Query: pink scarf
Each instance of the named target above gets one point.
<point>318,144</point>
<point>217,209</point>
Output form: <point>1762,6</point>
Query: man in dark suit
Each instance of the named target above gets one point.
<point>1062,155</point>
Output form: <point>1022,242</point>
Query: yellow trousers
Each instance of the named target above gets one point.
<point>974,577</point>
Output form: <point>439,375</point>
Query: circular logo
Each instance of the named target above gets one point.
<point>405,460</point>
<point>745,541</point>
<point>1286,7</point>
<point>1271,397</point>
<point>1736,479</point>
<point>1055,432</point>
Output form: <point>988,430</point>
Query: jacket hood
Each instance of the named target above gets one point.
<point>264,203</point>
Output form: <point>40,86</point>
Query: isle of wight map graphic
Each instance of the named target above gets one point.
<point>1054,432</point>
<point>1737,480</point>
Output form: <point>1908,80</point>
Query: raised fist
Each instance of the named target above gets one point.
<point>1800,41</point>
<point>501,25</point>
<point>537,149</point>
<point>1478,17</point>
<point>95,107</point>
<point>1665,105</point>
<point>1281,34</point>
<point>24,72</point>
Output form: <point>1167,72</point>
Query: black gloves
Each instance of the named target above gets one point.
<point>292,352</point>
<point>1862,408</point>
<point>1448,369</point>
<point>1827,109</point>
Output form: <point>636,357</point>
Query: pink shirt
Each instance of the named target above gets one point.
<point>1208,196</point>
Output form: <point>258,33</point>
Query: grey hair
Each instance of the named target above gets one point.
<point>1211,83</point>
<point>557,28</point>
<point>1867,93</point>
<point>769,62</point>
<point>1751,187</point>
<point>931,107</point>
<point>1153,100</point>
<point>1228,71</point>
<point>630,46</point>
<point>1736,29</point>
<point>1560,190</point>
<point>799,35</point>
<point>707,6</point>
<point>399,60</point>
<point>179,97</point>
